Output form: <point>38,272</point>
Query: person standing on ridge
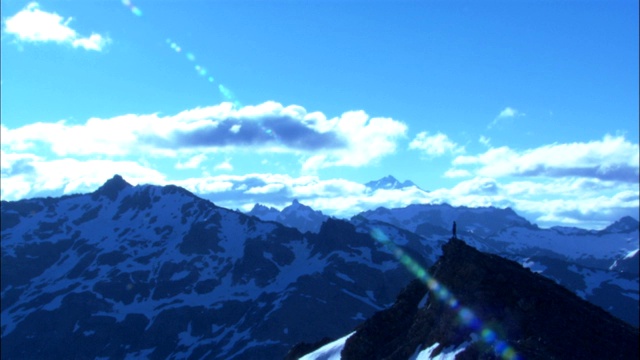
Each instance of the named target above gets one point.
<point>455,236</point>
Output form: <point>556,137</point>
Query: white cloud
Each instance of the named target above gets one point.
<point>94,42</point>
<point>368,139</point>
<point>485,141</point>
<point>193,163</point>
<point>612,158</point>
<point>267,189</point>
<point>34,25</point>
<point>506,113</point>
<point>454,173</point>
<point>224,166</point>
<point>352,139</point>
<point>435,145</point>
<point>29,175</point>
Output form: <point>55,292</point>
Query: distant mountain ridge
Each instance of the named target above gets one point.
<point>296,215</point>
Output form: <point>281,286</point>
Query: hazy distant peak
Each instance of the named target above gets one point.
<point>625,224</point>
<point>258,207</point>
<point>264,212</point>
<point>389,182</point>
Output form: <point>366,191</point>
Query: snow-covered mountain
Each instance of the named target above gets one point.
<point>296,215</point>
<point>483,307</point>
<point>587,262</point>
<point>389,183</point>
<point>596,249</point>
<point>599,266</point>
<point>422,218</point>
<point>156,272</point>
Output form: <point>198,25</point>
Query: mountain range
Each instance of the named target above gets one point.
<point>600,266</point>
<point>157,272</point>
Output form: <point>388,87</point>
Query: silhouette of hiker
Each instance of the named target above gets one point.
<point>455,236</point>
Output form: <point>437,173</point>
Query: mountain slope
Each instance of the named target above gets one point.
<point>484,306</point>
<point>156,272</point>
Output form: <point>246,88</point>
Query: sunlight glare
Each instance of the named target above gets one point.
<point>464,314</point>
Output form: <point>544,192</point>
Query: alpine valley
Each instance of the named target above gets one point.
<point>157,272</point>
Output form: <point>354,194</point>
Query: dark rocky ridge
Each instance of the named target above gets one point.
<point>538,318</point>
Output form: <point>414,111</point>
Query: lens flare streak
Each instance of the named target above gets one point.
<point>134,9</point>
<point>464,314</point>
<point>200,70</point>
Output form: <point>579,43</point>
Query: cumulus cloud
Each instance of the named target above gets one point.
<point>34,25</point>
<point>435,145</point>
<point>25,176</point>
<point>612,158</point>
<point>353,139</point>
<point>506,113</point>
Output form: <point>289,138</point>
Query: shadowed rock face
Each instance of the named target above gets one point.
<point>536,317</point>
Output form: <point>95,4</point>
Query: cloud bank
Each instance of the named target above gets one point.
<point>612,158</point>
<point>352,139</point>
<point>587,184</point>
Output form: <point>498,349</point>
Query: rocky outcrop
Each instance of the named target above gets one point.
<point>487,307</point>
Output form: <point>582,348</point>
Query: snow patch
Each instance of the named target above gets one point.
<point>534,266</point>
<point>448,353</point>
<point>330,351</point>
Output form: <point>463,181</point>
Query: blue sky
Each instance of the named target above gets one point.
<point>527,104</point>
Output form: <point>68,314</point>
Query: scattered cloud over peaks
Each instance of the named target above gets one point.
<point>352,139</point>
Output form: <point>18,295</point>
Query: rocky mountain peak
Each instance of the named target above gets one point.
<point>296,206</point>
<point>484,306</point>
<point>625,224</point>
<point>112,187</point>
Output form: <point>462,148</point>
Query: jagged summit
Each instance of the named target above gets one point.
<point>296,215</point>
<point>388,183</point>
<point>499,302</point>
<point>625,224</point>
<point>112,187</point>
